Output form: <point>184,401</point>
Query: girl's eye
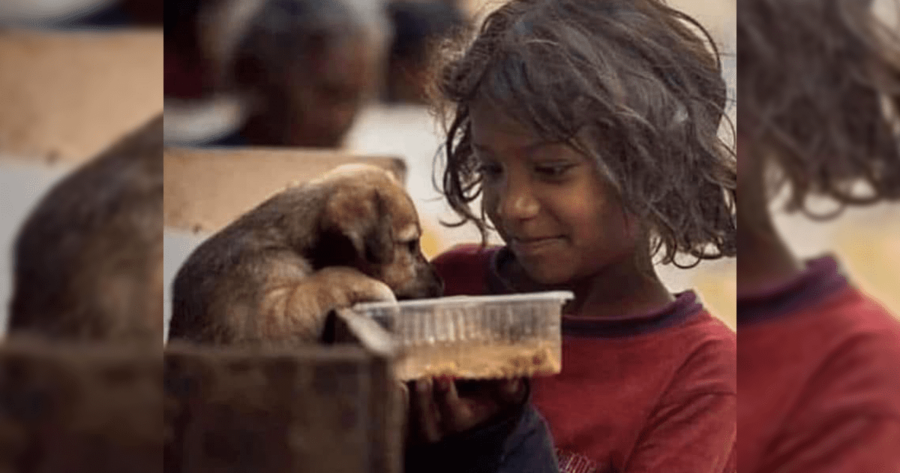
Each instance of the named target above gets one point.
<point>553,171</point>
<point>490,171</point>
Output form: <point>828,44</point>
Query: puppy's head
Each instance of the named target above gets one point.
<point>370,223</point>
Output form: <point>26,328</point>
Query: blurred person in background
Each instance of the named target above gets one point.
<point>305,67</point>
<point>300,68</point>
<point>197,108</point>
<point>818,360</point>
<point>89,259</point>
<point>293,72</point>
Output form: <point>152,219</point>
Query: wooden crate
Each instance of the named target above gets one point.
<point>68,408</point>
<point>190,409</point>
<point>319,408</point>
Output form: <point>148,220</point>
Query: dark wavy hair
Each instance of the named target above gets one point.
<point>631,84</point>
<point>820,91</point>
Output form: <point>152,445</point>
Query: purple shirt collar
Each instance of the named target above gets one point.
<point>685,306</point>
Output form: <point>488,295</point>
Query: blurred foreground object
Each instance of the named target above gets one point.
<point>871,247</point>
<point>820,98</point>
<point>325,408</point>
<point>107,408</point>
<point>89,259</point>
<point>67,95</point>
<point>80,408</point>
<point>819,378</point>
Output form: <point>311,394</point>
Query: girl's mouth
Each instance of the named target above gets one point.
<point>533,246</point>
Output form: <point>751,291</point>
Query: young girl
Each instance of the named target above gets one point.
<point>590,131</point>
<point>818,361</point>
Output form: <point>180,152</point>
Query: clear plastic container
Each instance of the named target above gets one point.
<point>475,337</point>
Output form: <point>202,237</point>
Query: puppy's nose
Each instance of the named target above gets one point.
<point>437,289</point>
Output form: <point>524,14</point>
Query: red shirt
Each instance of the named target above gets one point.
<point>819,367</point>
<point>647,393</point>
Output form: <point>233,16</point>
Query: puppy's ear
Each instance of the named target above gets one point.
<point>365,221</point>
<point>379,239</point>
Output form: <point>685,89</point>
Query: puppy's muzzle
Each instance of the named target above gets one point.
<point>428,285</point>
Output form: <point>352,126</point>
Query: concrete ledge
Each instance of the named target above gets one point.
<point>68,95</point>
<point>206,189</point>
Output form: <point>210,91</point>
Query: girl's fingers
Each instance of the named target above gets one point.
<point>436,408</point>
<point>455,412</point>
<point>512,390</point>
<point>404,395</point>
<point>425,411</point>
<point>461,414</point>
<point>404,410</point>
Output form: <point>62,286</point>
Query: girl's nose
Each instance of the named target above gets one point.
<point>517,199</point>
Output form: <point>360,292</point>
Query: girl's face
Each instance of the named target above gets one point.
<point>561,219</point>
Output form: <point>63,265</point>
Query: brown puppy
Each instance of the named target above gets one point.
<point>89,259</point>
<point>273,275</point>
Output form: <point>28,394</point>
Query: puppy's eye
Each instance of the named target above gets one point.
<point>413,246</point>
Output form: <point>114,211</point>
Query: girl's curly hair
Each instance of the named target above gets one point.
<point>820,86</point>
<point>631,84</point>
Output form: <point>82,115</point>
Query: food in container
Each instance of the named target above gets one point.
<point>475,337</point>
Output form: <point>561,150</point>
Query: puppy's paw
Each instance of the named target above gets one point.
<point>298,312</point>
<point>376,292</point>
<point>355,287</point>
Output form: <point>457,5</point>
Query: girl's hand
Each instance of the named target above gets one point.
<point>437,409</point>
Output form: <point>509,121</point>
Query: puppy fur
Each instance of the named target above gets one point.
<point>274,274</point>
<point>89,259</point>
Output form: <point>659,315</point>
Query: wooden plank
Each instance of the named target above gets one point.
<point>206,189</point>
<point>112,408</point>
<point>68,407</point>
<point>68,95</point>
<point>302,409</point>
<point>385,405</point>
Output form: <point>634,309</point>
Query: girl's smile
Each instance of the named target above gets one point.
<point>531,247</point>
